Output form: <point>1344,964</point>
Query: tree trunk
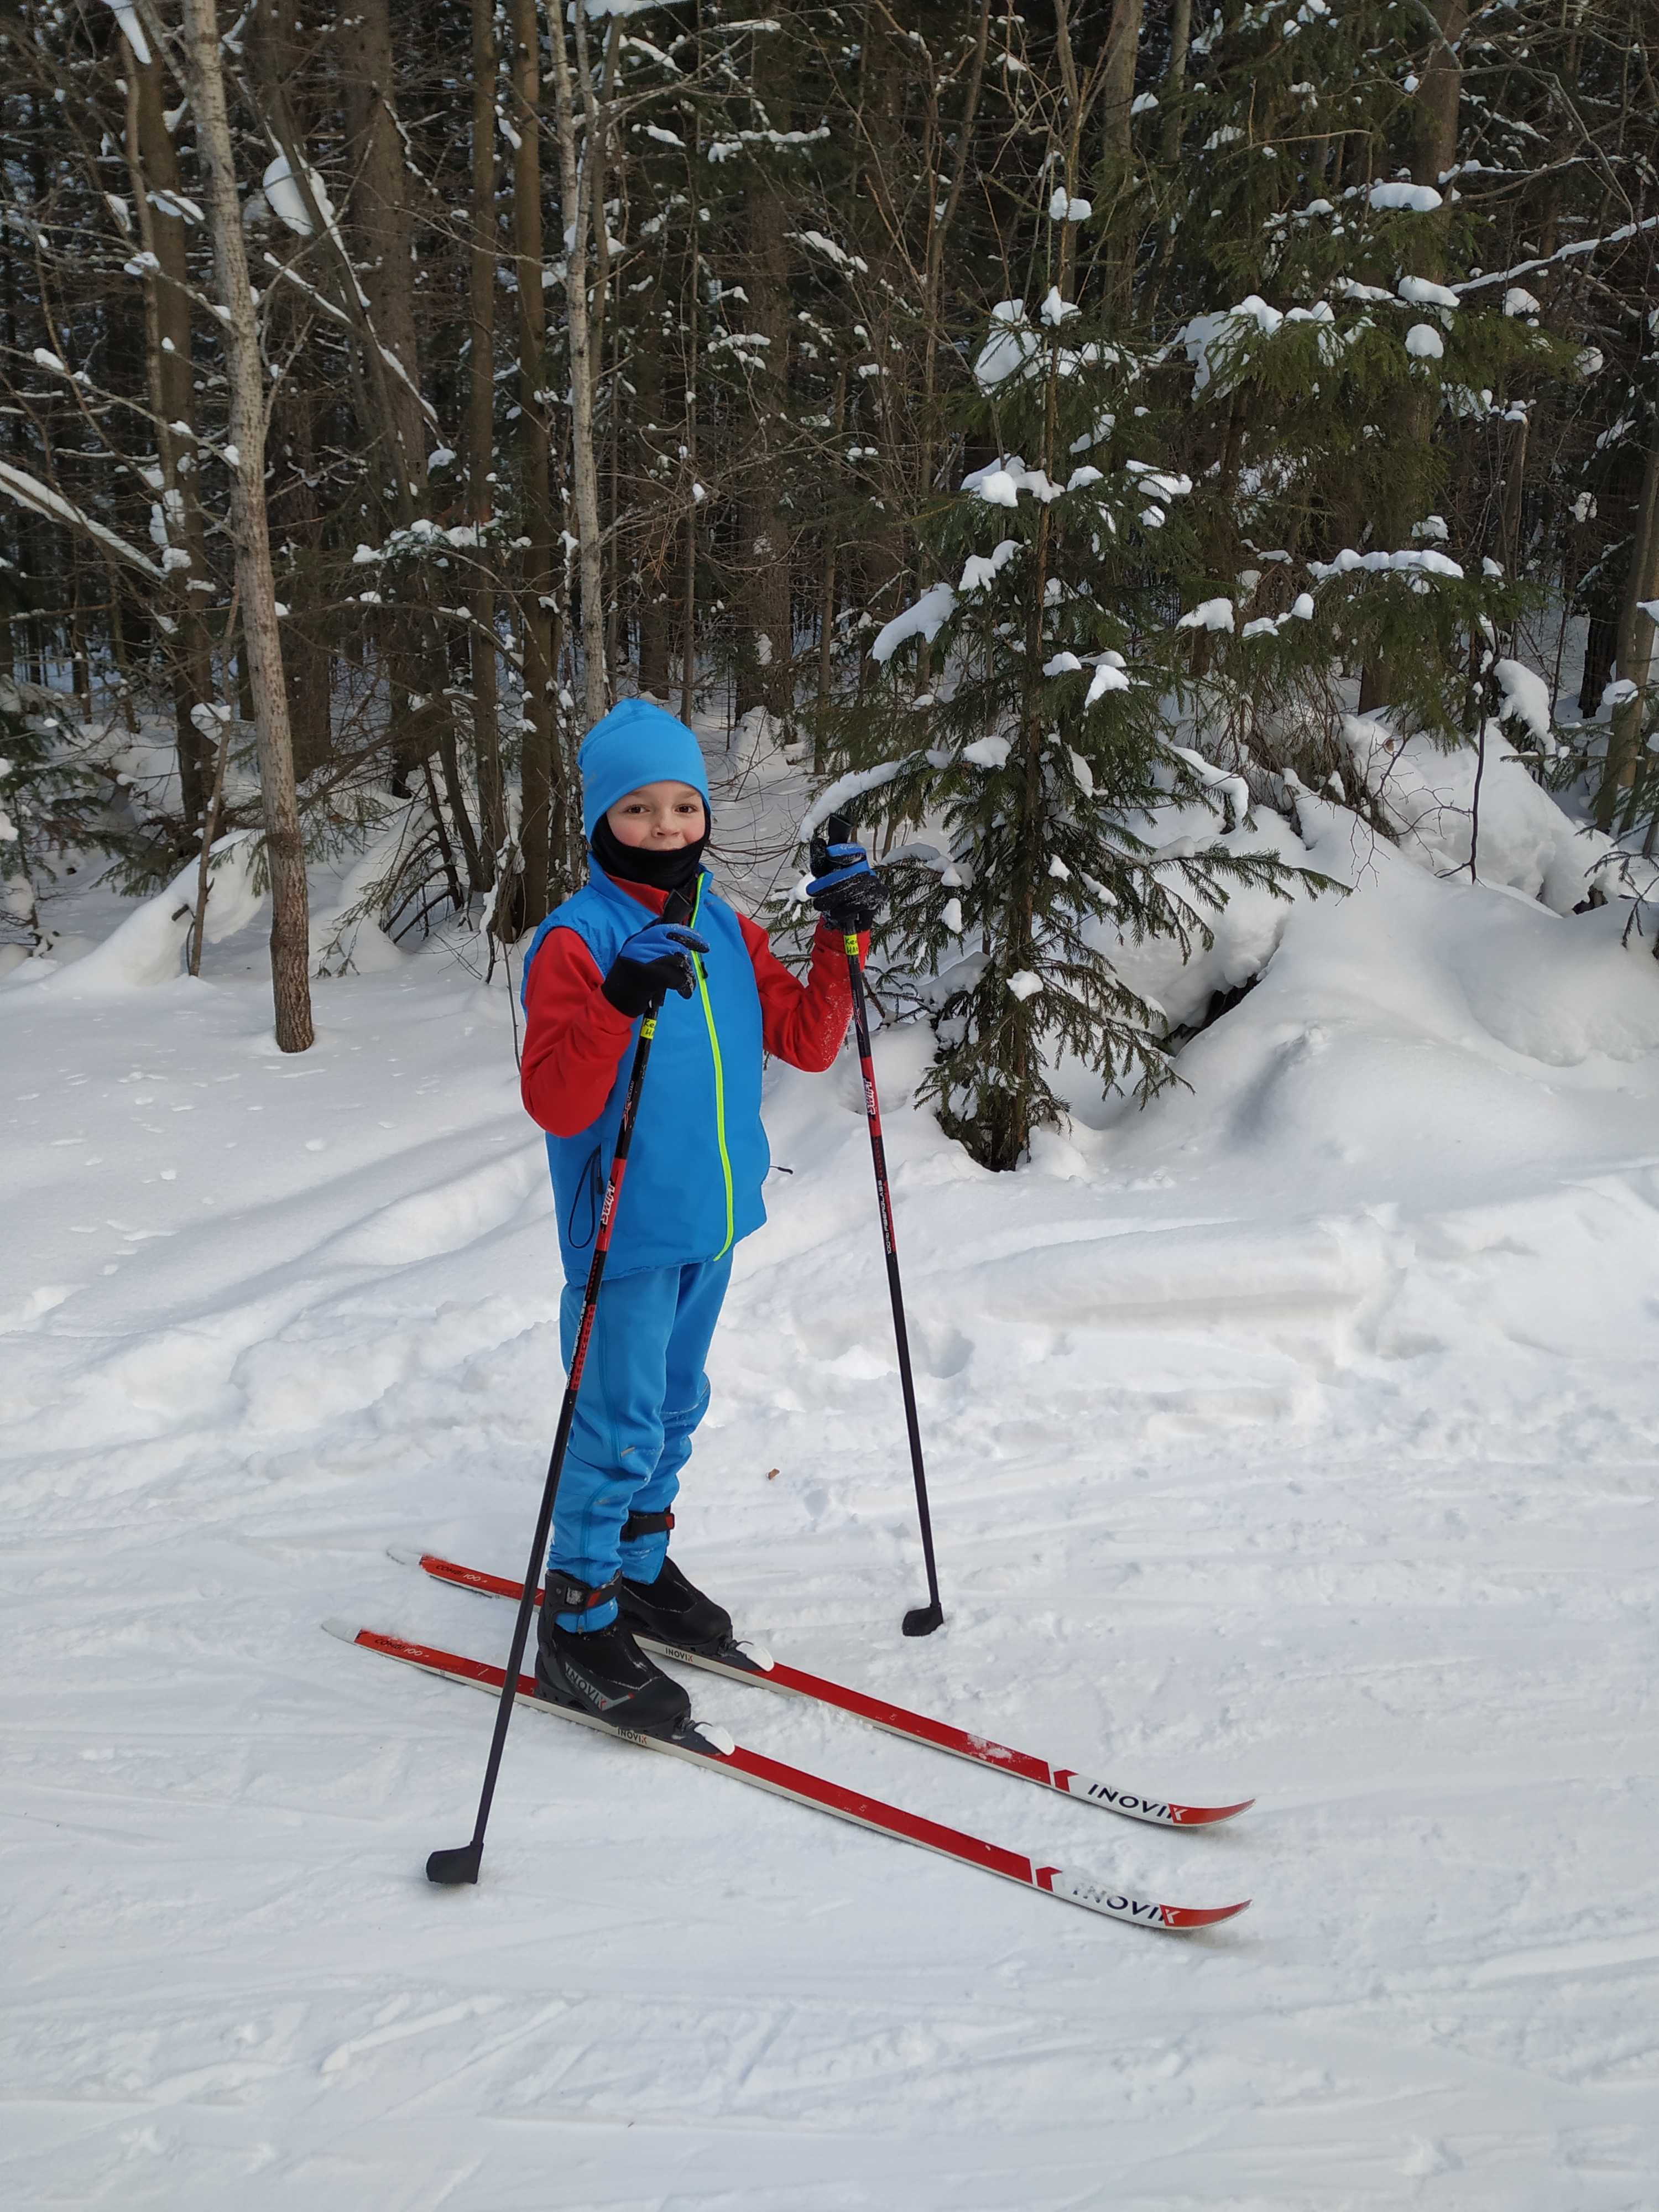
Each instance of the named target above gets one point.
<point>480,440</point>
<point>654,568</point>
<point>1637,632</point>
<point>1434,146</point>
<point>297,406</point>
<point>945,204</point>
<point>536,782</point>
<point>1601,650</point>
<point>382,219</point>
<point>297,528</point>
<point>154,161</point>
<point>765,675</point>
<point>1439,96</point>
<point>380,214</point>
<point>1175,73</point>
<point>581,175</point>
<point>689,474</point>
<point>289,931</point>
<point>1117,92</point>
<point>876,197</point>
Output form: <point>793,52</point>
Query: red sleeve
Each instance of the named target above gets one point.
<point>574,1038</point>
<point>803,1022</point>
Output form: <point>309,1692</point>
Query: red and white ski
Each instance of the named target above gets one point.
<point>748,1662</point>
<point>712,1747</point>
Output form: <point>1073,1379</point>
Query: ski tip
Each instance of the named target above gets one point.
<point>1199,1816</point>
<point>1187,1916</point>
<point>345,1630</point>
<point>406,1555</point>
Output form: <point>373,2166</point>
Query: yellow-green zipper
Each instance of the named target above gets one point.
<point>719,1086</point>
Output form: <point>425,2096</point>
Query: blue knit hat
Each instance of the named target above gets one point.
<point>636,743</point>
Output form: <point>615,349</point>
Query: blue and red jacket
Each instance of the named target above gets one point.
<point>699,1155</point>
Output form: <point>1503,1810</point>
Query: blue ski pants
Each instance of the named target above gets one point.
<point>643,1392</point>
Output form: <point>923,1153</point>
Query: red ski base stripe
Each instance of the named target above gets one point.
<point>828,1796</point>
<point>897,1719</point>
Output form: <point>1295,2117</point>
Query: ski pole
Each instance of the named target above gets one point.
<point>921,1619</point>
<point>453,1867</point>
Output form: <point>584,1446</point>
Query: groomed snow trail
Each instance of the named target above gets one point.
<point>1297,1438</point>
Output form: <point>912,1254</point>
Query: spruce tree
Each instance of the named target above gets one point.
<point>1038,755</point>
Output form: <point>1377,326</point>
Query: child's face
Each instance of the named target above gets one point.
<point>662,817</point>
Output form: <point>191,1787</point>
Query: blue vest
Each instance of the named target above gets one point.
<point>699,1155</point>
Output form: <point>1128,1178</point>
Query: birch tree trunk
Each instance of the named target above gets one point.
<point>154,162</point>
<point>693,358</point>
<point>654,574</point>
<point>579,172</point>
<point>235,308</point>
<point>885,152</point>
<point>765,676</point>
<point>536,752</point>
<point>480,434</point>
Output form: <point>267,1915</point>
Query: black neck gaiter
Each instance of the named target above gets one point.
<point>663,872</point>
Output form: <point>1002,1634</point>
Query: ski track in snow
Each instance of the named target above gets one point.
<point>1296,1438</point>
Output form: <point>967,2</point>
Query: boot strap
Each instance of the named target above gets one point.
<point>562,1593</point>
<point>645,1524</point>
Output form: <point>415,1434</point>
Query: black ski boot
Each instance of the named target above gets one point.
<point>671,1608</point>
<point>602,1671</point>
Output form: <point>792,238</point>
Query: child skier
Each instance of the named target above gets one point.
<point>698,1158</point>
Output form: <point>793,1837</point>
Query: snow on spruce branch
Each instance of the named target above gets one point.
<point>839,794</point>
<point>28,491</point>
<point>1015,349</point>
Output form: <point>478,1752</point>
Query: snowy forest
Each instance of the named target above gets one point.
<point>461,379</point>
<point>1183,480</point>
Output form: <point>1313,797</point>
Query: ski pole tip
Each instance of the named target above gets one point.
<point>451,1868</point>
<point>923,1619</point>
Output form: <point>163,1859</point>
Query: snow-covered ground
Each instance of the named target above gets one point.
<point>1295,1437</point>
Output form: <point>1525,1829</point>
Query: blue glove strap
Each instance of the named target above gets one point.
<point>661,940</point>
<point>849,868</point>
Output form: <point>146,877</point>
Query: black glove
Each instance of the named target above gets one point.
<point>845,889</point>
<point>653,961</point>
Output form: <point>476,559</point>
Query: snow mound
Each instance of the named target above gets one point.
<point>1484,967</point>
<point>1557,991</point>
<point>147,947</point>
<point>347,937</point>
<point>1428,800</point>
<point>1247,929</point>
